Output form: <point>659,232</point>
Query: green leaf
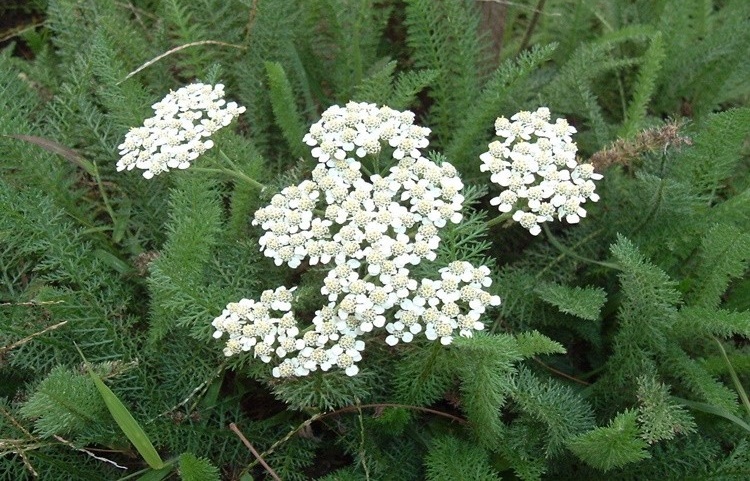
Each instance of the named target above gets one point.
<point>660,417</point>
<point>193,468</point>
<point>562,411</point>
<point>703,321</point>
<point>720,139</point>
<point>408,85</point>
<point>486,369</point>
<point>126,421</point>
<point>59,149</point>
<point>155,474</point>
<point>585,303</point>
<point>532,343</point>
<point>504,82</point>
<point>724,256</point>
<point>285,108</point>
<point>451,458</point>
<point>614,446</point>
<point>735,379</point>
<point>64,403</point>
<point>715,410</point>
<point>377,87</point>
<point>644,87</point>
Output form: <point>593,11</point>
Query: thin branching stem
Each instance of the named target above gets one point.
<point>252,449</point>
<point>553,240</point>
<point>499,219</point>
<point>395,405</point>
<point>355,408</point>
<point>232,173</point>
<point>532,26</point>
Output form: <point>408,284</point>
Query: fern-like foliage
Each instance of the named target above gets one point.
<point>724,256</point>
<point>193,468</point>
<point>559,412</point>
<point>659,417</point>
<point>326,391</point>
<point>177,276</point>
<point>66,272</point>
<point>284,108</point>
<point>644,88</point>
<point>699,382</point>
<point>183,29</point>
<point>721,141</point>
<point>647,311</point>
<point>498,93</point>
<point>613,446</point>
<point>423,376</point>
<point>487,365</point>
<point>584,303</point>
<point>384,87</point>
<point>449,459</point>
<point>575,83</point>
<point>440,39</point>
<point>601,360</point>
<point>65,403</point>
<point>342,42</point>
<point>697,322</point>
<point>718,37</point>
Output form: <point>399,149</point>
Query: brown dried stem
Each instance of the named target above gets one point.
<point>252,449</point>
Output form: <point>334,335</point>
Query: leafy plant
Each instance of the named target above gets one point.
<point>618,346</point>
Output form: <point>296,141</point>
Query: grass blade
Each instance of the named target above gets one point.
<point>711,409</point>
<point>126,421</point>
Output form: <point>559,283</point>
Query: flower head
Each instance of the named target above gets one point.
<point>371,229</point>
<point>179,131</point>
<point>535,162</point>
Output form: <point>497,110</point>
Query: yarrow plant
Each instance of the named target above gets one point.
<point>536,164</point>
<point>372,229</point>
<point>372,224</point>
<point>179,131</point>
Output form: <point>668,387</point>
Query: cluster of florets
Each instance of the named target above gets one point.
<point>268,327</point>
<point>179,131</point>
<point>536,164</point>
<point>373,229</point>
<point>364,215</point>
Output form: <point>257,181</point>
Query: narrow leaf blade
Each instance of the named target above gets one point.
<point>126,421</point>
<point>715,410</point>
<point>59,149</point>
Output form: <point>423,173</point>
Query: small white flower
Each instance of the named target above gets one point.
<point>441,329</point>
<point>529,221</point>
<point>468,323</point>
<point>396,334</point>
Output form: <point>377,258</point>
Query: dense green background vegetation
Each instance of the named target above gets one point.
<point>620,348</point>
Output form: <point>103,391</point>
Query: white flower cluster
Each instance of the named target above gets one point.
<point>536,162</point>
<point>372,216</point>
<point>372,229</point>
<point>179,131</point>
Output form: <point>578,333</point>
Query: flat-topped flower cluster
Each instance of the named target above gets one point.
<point>179,131</point>
<point>536,163</point>
<point>372,229</point>
<point>369,223</point>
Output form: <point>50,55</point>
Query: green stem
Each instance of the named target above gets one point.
<point>229,161</point>
<point>103,193</point>
<point>499,219</point>
<point>237,173</point>
<point>531,27</point>
<point>232,173</point>
<point>735,379</point>
<point>553,240</point>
